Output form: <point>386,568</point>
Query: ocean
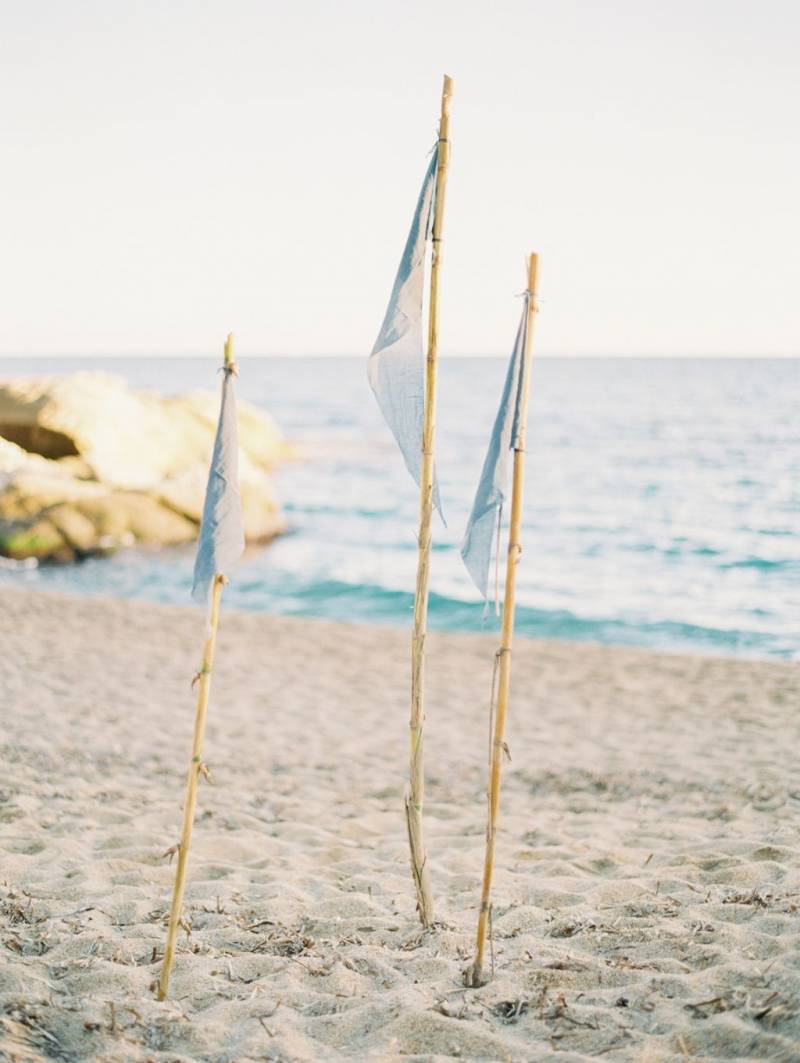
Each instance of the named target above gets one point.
<point>662,504</point>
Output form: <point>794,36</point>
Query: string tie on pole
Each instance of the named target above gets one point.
<point>205,670</point>
<point>500,744</point>
<point>528,294</point>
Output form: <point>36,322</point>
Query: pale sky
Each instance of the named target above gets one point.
<point>172,170</point>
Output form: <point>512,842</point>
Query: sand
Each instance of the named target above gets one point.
<point>648,865</point>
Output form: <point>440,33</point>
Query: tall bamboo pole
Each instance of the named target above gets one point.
<point>474,975</point>
<point>196,766</point>
<point>416,792</point>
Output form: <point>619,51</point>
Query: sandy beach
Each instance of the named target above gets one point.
<point>648,864</point>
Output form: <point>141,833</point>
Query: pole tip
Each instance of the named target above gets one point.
<point>533,271</point>
<point>447,86</point>
<point>229,349</point>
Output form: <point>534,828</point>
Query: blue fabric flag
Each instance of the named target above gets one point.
<point>396,364</point>
<point>221,532</point>
<point>476,549</point>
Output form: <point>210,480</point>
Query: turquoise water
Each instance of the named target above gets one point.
<point>662,501</point>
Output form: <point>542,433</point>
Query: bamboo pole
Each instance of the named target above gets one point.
<point>416,792</point>
<point>196,765</point>
<point>474,975</point>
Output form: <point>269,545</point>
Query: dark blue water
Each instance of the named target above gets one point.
<point>662,501</point>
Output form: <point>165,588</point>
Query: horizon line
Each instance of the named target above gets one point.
<point>555,355</point>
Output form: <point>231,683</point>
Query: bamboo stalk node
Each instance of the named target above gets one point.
<point>198,675</point>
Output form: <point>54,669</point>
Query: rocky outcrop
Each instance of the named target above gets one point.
<point>87,465</point>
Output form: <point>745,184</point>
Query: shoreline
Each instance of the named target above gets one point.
<point>647,850</point>
<point>382,623</point>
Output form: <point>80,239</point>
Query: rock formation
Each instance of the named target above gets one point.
<point>88,465</point>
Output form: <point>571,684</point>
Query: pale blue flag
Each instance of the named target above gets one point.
<point>221,532</point>
<point>476,550</point>
<point>397,364</point>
